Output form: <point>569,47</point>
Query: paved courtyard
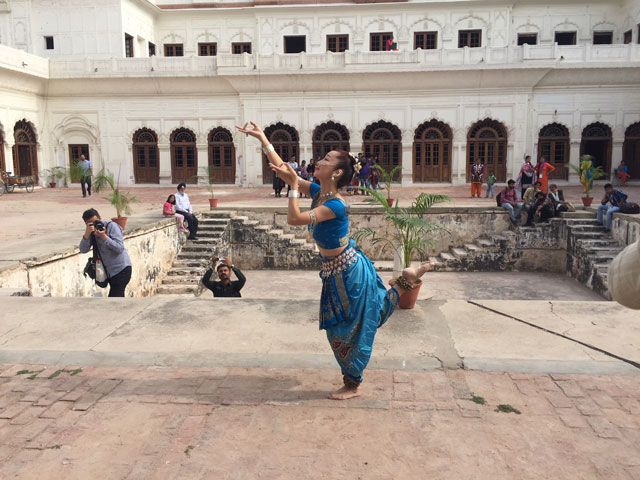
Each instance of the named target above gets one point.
<point>191,388</point>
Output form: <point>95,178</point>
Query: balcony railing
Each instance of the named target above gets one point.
<point>408,60</point>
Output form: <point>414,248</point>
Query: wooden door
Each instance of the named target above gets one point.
<point>384,141</point>
<point>432,153</point>
<point>184,157</point>
<point>553,145</point>
<point>631,150</point>
<point>222,156</point>
<point>146,158</point>
<point>487,141</point>
<point>284,139</point>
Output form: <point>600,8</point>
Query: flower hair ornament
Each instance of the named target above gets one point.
<point>357,166</point>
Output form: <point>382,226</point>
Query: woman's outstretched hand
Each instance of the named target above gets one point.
<point>286,173</point>
<point>256,131</point>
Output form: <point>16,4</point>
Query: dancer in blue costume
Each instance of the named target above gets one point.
<point>354,301</point>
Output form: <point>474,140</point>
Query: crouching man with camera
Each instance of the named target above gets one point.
<point>225,287</point>
<point>106,239</point>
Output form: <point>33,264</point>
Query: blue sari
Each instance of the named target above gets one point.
<point>353,305</point>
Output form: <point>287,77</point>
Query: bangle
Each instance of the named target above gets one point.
<point>268,149</point>
<point>294,194</point>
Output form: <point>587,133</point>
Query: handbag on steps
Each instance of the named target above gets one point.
<point>95,268</point>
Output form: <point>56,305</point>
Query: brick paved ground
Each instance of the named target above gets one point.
<point>203,423</point>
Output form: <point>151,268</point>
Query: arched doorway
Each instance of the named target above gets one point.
<point>25,150</point>
<point>184,156</point>
<point>487,140</point>
<point>285,140</point>
<point>432,152</point>
<point>631,150</point>
<point>384,141</point>
<point>596,141</point>
<point>329,136</point>
<point>146,165</point>
<point>222,156</point>
<point>553,145</point>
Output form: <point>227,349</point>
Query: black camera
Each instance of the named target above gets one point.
<point>98,225</point>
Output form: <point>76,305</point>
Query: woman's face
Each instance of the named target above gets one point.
<point>326,166</point>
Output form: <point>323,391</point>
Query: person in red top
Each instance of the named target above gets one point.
<point>543,169</point>
<point>169,210</point>
<point>509,201</point>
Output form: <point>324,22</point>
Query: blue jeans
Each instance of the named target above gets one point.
<point>514,212</point>
<point>610,210</point>
<point>490,190</point>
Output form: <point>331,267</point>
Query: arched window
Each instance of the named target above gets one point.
<point>25,150</point>
<point>432,152</point>
<point>222,156</point>
<point>184,156</point>
<point>329,136</point>
<point>285,140</point>
<point>596,141</point>
<point>384,141</point>
<point>146,164</point>
<point>487,140</point>
<point>631,150</point>
<point>553,145</point>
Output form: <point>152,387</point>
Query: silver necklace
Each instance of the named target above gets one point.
<point>327,195</point>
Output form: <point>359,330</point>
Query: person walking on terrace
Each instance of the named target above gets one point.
<point>354,302</point>
<point>509,201</point>
<point>614,198</point>
<point>183,207</point>
<point>543,169</point>
<point>477,177</point>
<point>85,175</point>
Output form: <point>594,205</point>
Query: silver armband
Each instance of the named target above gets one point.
<point>312,217</point>
<point>294,194</point>
<point>268,149</point>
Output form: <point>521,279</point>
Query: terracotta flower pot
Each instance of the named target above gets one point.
<point>52,184</point>
<point>213,202</point>
<point>122,221</point>
<point>586,201</point>
<point>390,201</point>
<point>408,299</point>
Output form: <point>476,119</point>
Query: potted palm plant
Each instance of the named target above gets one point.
<point>588,173</point>
<point>120,200</point>
<point>410,233</point>
<point>55,174</point>
<point>387,178</point>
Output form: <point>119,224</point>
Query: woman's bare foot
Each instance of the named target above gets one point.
<point>413,274</point>
<point>345,392</point>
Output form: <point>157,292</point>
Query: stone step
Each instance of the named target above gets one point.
<point>436,261</point>
<point>471,248</point>
<point>589,235</point>
<point>185,264</point>
<point>576,229</point>
<point>201,256</point>
<point>458,252</point>
<point>598,242</point>
<point>601,268</point>
<point>177,289</point>
<point>484,243</point>
<point>203,248</point>
<point>218,214</point>
<point>602,258</point>
<point>445,257</point>
<point>276,231</point>
<point>287,236</point>
<point>579,214</point>
<point>499,238</point>
<point>263,228</point>
<point>184,272</point>
<point>181,280</point>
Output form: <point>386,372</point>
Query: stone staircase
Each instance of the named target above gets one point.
<point>195,257</point>
<point>257,246</point>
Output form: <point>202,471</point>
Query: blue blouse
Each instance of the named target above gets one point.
<point>332,233</point>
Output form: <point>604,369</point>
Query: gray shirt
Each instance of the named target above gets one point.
<point>112,251</point>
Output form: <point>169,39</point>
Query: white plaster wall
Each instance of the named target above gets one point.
<point>139,22</point>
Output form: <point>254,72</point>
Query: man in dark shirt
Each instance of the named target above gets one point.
<point>225,287</point>
<point>613,197</point>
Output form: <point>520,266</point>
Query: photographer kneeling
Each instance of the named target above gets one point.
<point>225,287</point>
<point>108,239</point>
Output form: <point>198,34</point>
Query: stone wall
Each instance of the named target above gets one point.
<point>152,250</point>
<point>625,228</point>
<point>464,225</point>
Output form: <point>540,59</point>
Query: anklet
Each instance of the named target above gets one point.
<point>404,283</point>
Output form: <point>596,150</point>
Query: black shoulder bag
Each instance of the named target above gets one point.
<point>90,269</point>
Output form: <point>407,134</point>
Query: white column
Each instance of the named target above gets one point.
<point>165,164</point>
<point>203,162</point>
<point>616,154</point>
<point>574,159</point>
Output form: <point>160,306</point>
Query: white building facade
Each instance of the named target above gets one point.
<point>153,90</point>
